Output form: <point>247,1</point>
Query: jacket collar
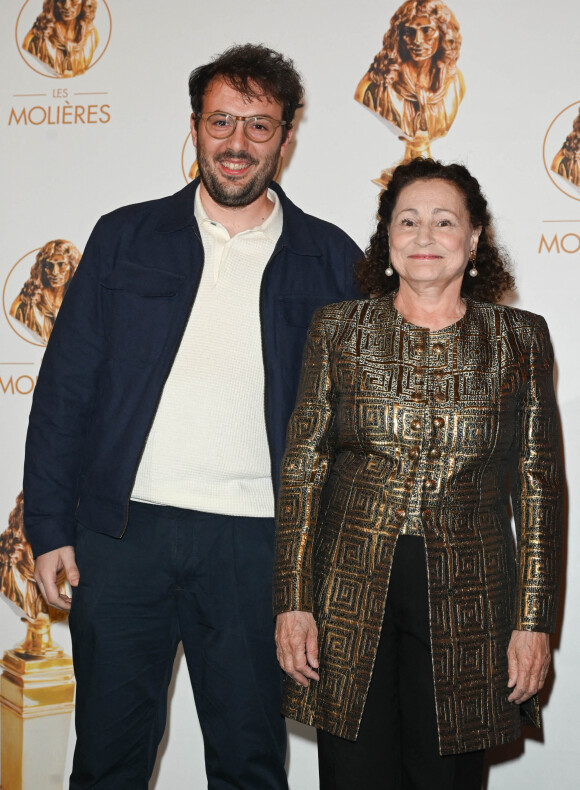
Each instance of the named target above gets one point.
<point>177,213</point>
<point>390,314</point>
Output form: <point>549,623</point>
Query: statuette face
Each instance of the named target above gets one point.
<point>40,298</point>
<point>64,36</point>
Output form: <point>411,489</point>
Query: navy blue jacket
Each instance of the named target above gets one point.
<point>116,337</point>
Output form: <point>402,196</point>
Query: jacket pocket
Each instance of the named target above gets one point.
<point>142,280</point>
<point>142,306</point>
<point>295,316</point>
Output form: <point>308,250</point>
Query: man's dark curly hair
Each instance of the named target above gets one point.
<point>494,277</point>
<point>253,70</point>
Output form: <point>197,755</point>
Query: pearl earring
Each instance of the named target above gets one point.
<point>389,271</point>
<point>473,271</point>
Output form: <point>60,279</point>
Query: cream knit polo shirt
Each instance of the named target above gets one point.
<point>207,449</point>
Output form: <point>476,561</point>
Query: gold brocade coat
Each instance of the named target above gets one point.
<point>398,429</point>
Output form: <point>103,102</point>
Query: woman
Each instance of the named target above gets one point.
<point>394,551</point>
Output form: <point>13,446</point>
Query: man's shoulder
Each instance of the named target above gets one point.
<point>304,228</point>
<point>151,212</point>
<point>327,229</point>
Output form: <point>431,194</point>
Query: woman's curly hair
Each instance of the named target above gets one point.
<point>492,263</point>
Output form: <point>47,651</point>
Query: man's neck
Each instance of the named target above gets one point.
<point>238,218</point>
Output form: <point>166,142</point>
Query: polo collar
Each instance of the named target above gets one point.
<point>177,212</point>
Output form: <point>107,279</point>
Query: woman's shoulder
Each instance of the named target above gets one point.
<point>515,317</point>
<point>340,311</point>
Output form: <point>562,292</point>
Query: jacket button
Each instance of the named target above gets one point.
<point>438,422</point>
<point>415,424</point>
<point>426,514</point>
<point>419,349</point>
<point>414,453</point>
<point>434,453</point>
<point>429,484</point>
<point>408,484</point>
<point>438,348</point>
<point>400,513</point>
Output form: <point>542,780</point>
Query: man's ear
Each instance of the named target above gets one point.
<point>288,139</point>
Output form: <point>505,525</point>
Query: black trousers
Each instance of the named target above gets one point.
<point>397,747</point>
<point>177,575</point>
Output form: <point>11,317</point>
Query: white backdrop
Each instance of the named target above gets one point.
<point>520,63</point>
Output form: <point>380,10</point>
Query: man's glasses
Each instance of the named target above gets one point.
<point>257,128</point>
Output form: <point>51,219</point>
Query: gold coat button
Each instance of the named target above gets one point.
<point>429,484</point>
<point>416,424</point>
<point>434,453</point>
<point>438,422</point>
<point>414,453</point>
<point>400,513</point>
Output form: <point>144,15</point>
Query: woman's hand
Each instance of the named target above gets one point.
<point>297,646</point>
<point>528,662</point>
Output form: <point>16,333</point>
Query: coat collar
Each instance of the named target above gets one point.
<point>390,314</point>
<point>177,213</point>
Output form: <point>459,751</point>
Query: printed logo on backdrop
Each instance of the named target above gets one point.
<point>561,155</point>
<point>189,167</point>
<point>63,38</point>
<point>413,83</point>
<point>35,287</point>
<point>561,151</point>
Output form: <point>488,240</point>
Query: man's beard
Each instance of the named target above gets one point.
<point>232,194</point>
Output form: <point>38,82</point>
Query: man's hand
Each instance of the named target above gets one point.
<point>47,568</point>
<point>528,663</point>
<point>297,646</point>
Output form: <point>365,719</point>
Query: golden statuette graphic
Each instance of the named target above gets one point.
<point>414,82</point>
<point>40,298</point>
<point>64,36</point>
<point>37,683</point>
<point>17,567</point>
<point>567,161</point>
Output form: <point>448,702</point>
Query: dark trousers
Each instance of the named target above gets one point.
<point>176,575</point>
<point>397,747</point>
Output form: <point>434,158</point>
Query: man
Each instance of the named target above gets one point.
<point>157,430</point>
